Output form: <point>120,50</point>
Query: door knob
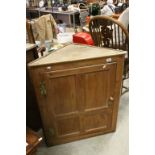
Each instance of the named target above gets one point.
<point>111,98</point>
<point>110,102</point>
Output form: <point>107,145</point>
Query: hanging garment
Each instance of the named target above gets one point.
<point>46,28</point>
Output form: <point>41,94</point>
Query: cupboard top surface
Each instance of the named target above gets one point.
<point>75,52</point>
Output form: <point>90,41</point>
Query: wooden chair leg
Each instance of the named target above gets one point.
<point>124,87</point>
<point>125,91</point>
<point>41,50</point>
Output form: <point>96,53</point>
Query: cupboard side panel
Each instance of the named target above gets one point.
<point>36,75</point>
<point>117,90</point>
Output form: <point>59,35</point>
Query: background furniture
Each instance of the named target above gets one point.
<point>67,17</point>
<point>32,13</point>
<point>32,114</point>
<point>116,15</point>
<point>29,32</point>
<point>83,15</point>
<point>30,39</point>
<point>32,141</point>
<point>78,90</point>
<point>110,33</point>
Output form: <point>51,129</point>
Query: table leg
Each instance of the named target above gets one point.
<point>70,23</point>
<point>74,20</point>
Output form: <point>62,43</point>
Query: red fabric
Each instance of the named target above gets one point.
<point>83,38</point>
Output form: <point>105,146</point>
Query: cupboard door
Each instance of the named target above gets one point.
<point>62,105</point>
<point>78,99</point>
<point>98,90</point>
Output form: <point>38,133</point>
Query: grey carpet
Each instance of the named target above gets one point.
<point>116,143</point>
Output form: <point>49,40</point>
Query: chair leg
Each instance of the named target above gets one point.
<point>124,87</point>
<point>125,91</point>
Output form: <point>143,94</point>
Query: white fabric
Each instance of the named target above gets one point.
<point>119,4</point>
<point>66,37</point>
<point>106,10</point>
<point>109,1</point>
<point>124,18</point>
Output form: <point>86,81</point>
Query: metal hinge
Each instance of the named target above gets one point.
<point>42,88</point>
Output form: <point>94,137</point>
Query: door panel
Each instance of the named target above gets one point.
<point>62,105</point>
<point>62,95</point>
<point>69,126</point>
<point>100,120</point>
<point>98,88</point>
<point>95,89</point>
<point>78,99</point>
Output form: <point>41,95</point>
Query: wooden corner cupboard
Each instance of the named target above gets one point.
<point>78,90</point>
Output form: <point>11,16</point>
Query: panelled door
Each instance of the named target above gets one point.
<point>79,100</point>
<point>98,88</point>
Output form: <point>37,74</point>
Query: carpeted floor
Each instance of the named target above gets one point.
<point>116,143</point>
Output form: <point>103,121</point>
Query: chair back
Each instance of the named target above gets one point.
<point>82,17</point>
<point>30,36</point>
<point>110,33</point>
<point>29,32</point>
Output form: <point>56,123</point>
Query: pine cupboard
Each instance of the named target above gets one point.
<point>78,90</point>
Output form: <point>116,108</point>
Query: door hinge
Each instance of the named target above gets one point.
<point>42,88</point>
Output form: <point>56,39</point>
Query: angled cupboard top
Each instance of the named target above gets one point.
<point>75,52</point>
